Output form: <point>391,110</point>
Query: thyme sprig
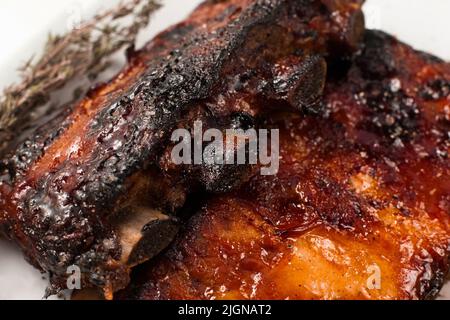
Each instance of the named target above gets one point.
<point>84,51</point>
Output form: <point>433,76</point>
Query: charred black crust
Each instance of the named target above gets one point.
<point>21,153</point>
<point>377,60</point>
<point>433,279</point>
<point>66,228</point>
<point>64,225</point>
<point>435,90</point>
<point>394,114</point>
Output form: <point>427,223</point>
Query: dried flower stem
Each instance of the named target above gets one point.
<point>84,51</point>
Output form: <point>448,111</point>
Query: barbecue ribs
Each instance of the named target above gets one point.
<point>363,190</point>
<point>82,188</point>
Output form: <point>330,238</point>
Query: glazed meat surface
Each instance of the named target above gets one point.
<point>360,208</point>
<point>63,183</point>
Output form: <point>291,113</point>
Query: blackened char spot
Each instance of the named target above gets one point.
<point>436,90</point>
<point>377,60</point>
<point>392,113</point>
<point>242,120</point>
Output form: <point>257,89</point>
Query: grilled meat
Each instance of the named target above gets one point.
<point>360,208</point>
<point>69,187</point>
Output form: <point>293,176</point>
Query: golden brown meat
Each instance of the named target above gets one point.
<point>360,208</point>
<point>63,184</point>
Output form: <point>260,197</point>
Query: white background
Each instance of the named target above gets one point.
<point>24,25</point>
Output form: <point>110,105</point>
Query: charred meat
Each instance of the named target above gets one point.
<point>75,190</point>
<point>360,208</point>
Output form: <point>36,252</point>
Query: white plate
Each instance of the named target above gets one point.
<point>25,24</point>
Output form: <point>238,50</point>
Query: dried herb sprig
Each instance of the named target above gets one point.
<point>84,51</point>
